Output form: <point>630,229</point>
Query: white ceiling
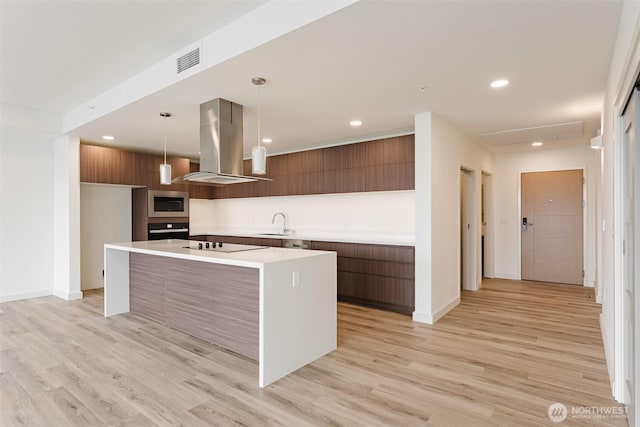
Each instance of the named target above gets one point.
<point>367,61</point>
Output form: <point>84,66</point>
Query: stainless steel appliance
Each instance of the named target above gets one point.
<point>167,204</point>
<point>297,244</point>
<point>168,230</point>
<point>220,145</point>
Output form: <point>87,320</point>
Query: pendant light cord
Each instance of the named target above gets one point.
<point>259,112</point>
<point>165,115</point>
<point>165,140</point>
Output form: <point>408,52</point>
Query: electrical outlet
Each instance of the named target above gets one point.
<point>296,279</point>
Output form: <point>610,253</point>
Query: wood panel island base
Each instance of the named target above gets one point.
<point>273,305</point>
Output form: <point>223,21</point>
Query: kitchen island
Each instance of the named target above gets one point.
<point>273,305</point>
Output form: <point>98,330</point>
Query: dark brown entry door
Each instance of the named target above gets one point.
<point>551,226</point>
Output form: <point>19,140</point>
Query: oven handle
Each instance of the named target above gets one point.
<point>169,230</point>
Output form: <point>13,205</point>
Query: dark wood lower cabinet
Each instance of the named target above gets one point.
<point>378,276</point>
<point>215,302</point>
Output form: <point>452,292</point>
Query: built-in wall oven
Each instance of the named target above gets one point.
<point>168,230</point>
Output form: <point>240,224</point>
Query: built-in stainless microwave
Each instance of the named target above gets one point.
<point>168,203</point>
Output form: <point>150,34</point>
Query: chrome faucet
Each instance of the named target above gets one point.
<point>285,222</point>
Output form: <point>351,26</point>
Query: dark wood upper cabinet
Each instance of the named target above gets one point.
<point>108,165</point>
<point>379,165</point>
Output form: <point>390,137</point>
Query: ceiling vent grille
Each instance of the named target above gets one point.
<point>188,60</point>
<point>537,133</point>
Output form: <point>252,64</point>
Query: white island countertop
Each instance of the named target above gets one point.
<point>365,237</point>
<point>176,248</point>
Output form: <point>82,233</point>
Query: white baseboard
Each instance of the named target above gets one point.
<point>608,357</point>
<point>439,314</point>
<point>508,276</point>
<point>69,296</point>
<point>92,287</point>
<point>422,317</point>
<point>599,299</point>
<point>431,318</point>
<point>26,295</point>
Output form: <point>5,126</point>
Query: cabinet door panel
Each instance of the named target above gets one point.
<point>235,307</point>
<point>188,297</point>
<point>376,288</point>
<point>146,286</point>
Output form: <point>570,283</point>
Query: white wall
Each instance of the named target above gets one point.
<point>105,217</point>
<point>66,218</point>
<point>507,169</point>
<point>374,212</point>
<point>423,260</point>
<point>625,64</point>
<point>441,152</point>
<point>452,150</point>
<point>26,210</point>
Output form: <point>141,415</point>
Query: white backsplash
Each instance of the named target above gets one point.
<point>373,212</point>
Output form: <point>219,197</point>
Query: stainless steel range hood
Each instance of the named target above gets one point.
<point>221,160</point>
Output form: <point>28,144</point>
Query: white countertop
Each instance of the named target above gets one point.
<point>175,248</point>
<point>367,237</point>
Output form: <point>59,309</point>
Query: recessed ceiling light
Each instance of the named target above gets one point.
<point>499,83</point>
<point>108,137</point>
<point>267,140</point>
<point>355,123</point>
<point>536,144</point>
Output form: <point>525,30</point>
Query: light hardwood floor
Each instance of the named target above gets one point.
<point>498,359</point>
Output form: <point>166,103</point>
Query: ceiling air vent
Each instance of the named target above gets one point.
<point>188,60</point>
<point>537,133</point>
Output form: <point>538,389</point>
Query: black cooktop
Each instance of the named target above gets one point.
<point>222,247</point>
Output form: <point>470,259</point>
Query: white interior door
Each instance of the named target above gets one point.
<point>467,231</point>
<point>630,252</point>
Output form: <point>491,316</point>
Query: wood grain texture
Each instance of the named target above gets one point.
<point>552,244</point>
<point>109,165</point>
<point>213,302</point>
<point>218,303</point>
<point>139,214</point>
<point>500,358</point>
<point>379,276</point>
<point>378,165</point>
<point>147,286</point>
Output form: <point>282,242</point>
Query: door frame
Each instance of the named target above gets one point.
<point>621,93</point>
<point>489,265</point>
<point>585,235</point>
<point>467,244</point>
<point>475,231</point>
<point>620,348</point>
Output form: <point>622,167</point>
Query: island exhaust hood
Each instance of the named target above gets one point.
<point>221,152</point>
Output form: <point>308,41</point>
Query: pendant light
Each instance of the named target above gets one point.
<point>259,153</point>
<point>165,168</point>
